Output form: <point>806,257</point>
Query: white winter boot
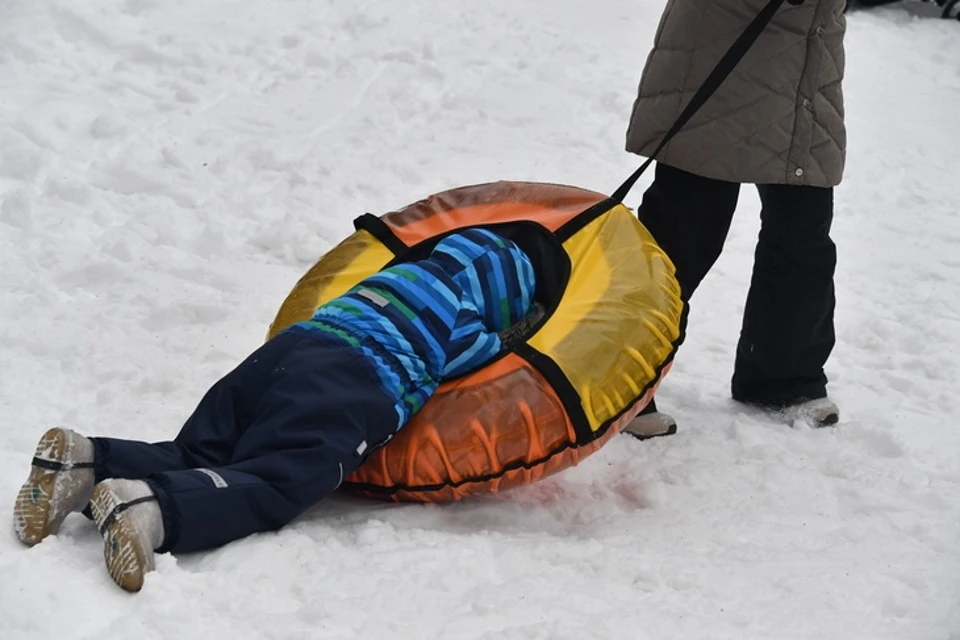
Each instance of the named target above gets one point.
<point>820,412</point>
<point>60,482</point>
<point>651,423</point>
<point>129,519</point>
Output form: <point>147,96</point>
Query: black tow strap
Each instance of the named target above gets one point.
<point>713,81</point>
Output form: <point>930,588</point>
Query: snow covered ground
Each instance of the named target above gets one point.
<point>168,170</point>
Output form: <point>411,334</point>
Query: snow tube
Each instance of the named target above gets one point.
<point>614,319</point>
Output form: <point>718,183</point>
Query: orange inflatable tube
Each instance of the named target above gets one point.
<point>614,319</point>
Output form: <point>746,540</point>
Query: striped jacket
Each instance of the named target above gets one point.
<point>419,323</point>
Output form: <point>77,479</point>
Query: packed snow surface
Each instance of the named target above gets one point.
<point>169,169</point>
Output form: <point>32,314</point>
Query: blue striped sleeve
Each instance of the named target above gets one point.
<point>484,347</point>
<point>471,344</point>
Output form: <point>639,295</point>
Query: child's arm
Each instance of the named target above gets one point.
<point>475,343</point>
<point>472,345</point>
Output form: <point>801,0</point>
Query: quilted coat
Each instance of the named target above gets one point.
<point>778,117</point>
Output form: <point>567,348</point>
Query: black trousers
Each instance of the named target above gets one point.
<point>267,441</point>
<point>787,332</point>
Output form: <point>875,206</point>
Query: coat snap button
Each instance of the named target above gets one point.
<point>806,102</point>
<point>798,172</point>
<point>820,29</point>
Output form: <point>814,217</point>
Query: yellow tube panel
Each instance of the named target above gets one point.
<point>354,259</point>
<point>619,317</point>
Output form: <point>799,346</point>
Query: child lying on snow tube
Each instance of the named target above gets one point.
<point>284,428</point>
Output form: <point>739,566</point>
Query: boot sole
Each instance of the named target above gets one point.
<point>124,556</point>
<point>669,431</point>
<point>31,511</point>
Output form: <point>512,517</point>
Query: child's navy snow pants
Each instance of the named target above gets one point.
<point>266,442</point>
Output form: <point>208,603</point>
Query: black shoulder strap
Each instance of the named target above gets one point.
<point>713,81</point>
<point>382,232</point>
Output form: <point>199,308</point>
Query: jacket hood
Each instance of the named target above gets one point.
<point>496,276</point>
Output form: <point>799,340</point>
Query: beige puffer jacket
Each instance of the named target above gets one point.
<point>778,117</point>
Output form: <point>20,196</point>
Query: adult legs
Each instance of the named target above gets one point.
<point>787,333</point>
<point>689,216</point>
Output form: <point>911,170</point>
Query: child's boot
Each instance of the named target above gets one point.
<point>60,482</point>
<point>129,519</point>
